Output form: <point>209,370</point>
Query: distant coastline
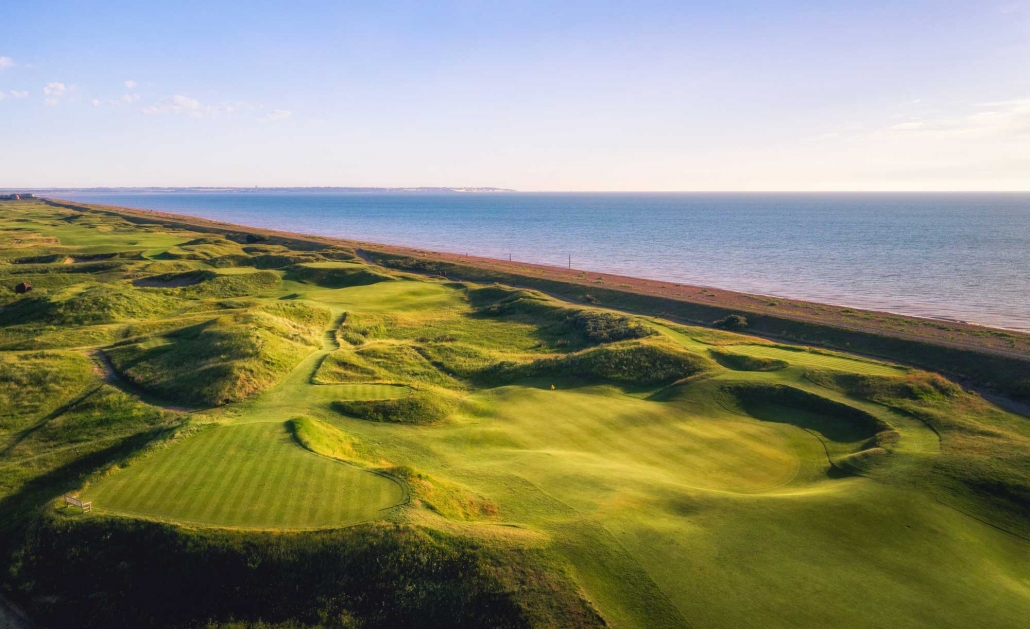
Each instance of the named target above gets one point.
<point>257,189</point>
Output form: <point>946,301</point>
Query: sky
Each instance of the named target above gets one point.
<point>608,96</point>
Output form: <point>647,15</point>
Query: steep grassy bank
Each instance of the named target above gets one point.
<point>119,573</point>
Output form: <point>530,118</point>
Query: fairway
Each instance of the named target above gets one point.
<point>247,476</point>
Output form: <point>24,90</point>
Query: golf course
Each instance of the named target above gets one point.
<point>286,433</point>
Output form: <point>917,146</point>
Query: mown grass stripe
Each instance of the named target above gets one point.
<point>217,449</point>
<point>245,493</point>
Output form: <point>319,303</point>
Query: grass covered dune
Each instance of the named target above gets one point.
<point>277,432</point>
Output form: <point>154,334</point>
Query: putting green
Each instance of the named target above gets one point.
<point>248,476</point>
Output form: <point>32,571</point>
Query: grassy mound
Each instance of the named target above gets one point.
<point>175,279</point>
<point>639,363</point>
<point>743,362</point>
<point>336,275</point>
<point>855,440</point>
<point>419,408</point>
<point>607,327</point>
<point>201,283</point>
<point>835,421</point>
<point>342,366</point>
<point>35,384</point>
<point>917,386</point>
<point>501,301</point>
<point>385,364</point>
<point>444,498</point>
<point>95,304</point>
<point>985,452</point>
<point>204,248</point>
<point>322,438</point>
<point>227,359</point>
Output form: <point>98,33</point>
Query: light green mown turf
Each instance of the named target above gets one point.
<point>367,391</point>
<point>249,476</point>
<point>817,360</point>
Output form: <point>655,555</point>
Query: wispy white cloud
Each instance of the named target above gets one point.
<point>904,126</point>
<point>184,105</point>
<point>6,62</point>
<point>130,98</point>
<point>277,114</point>
<point>130,85</point>
<point>1000,118</point>
<point>96,103</point>
<point>19,94</point>
<point>55,89</point>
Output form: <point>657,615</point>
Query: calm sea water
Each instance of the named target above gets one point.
<point>955,256</point>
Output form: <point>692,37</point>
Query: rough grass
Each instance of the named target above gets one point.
<point>985,453</point>
<point>442,497</point>
<point>204,248</point>
<point>322,438</point>
<point>381,575</point>
<point>227,359</point>
<point>420,408</point>
<point>633,363</point>
<point>33,385</point>
<point>91,305</point>
<point>336,275</point>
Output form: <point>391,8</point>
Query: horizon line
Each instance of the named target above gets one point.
<point>483,190</point>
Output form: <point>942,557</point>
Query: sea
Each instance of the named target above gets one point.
<point>953,256</point>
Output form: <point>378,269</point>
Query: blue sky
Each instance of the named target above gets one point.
<point>735,95</point>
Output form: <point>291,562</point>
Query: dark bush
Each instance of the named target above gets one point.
<point>607,327</point>
<point>733,322</point>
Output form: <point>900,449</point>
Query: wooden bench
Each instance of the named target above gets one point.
<point>75,502</point>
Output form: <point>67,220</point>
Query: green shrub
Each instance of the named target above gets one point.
<point>607,327</point>
<point>733,322</point>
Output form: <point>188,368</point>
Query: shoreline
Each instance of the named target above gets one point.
<point>964,334</point>
<point>870,272</point>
